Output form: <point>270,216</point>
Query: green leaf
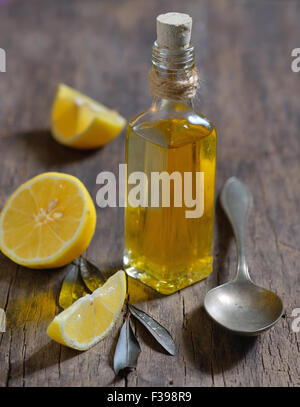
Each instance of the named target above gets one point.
<point>72,287</point>
<point>127,350</point>
<point>91,275</point>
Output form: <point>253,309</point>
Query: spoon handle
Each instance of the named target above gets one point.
<point>237,202</point>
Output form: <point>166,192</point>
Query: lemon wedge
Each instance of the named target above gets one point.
<point>48,221</point>
<point>81,122</point>
<point>90,318</point>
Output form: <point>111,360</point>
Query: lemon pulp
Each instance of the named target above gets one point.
<point>48,221</point>
<point>80,122</point>
<point>90,318</point>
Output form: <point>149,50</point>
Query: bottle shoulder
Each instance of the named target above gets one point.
<point>153,115</point>
<point>174,125</point>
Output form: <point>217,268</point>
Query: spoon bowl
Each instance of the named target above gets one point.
<point>240,305</point>
<point>243,307</point>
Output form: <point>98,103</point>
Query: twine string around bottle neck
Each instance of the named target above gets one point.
<point>174,88</point>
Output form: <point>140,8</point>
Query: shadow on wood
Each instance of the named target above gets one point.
<point>208,346</point>
<point>109,270</point>
<point>223,240</point>
<point>46,356</point>
<point>28,276</point>
<point>211,348</point>
<point>139,292</point>
<point>42,147</point>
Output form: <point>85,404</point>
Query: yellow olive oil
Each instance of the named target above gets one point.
<point>163,247</point>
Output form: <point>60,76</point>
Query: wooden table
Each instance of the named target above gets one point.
<point>249,91</point>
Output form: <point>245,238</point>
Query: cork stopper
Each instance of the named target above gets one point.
<point>174,30</point>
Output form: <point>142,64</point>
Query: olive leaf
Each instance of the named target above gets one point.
<point>91,275</point>
<point>127,350</point>
<point>160,333</point>
<point>72,287</point>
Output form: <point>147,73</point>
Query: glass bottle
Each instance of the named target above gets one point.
<point>169,247</point>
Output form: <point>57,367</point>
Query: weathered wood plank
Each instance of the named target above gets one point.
<point>252,96</point>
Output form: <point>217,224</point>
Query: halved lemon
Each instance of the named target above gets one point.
<point>90,318</point>
<point>81,122</point>
<point>48,221</point>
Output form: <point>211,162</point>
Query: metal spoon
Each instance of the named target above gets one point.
<point>240,305</point>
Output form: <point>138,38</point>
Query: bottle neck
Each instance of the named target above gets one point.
<point>172,75</point>
<point>159,103</point>
<point>173,60</point>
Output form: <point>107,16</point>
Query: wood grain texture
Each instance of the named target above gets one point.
<point>103,48</point>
